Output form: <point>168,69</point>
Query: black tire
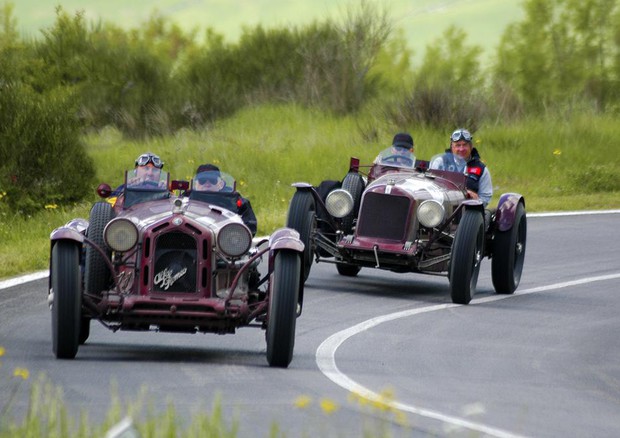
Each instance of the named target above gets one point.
<point>67,304</point>
<point>301,217</point>
<point>282,314</point>
<point>509,254</point>
<point>348,270</point>
<point>97,275</point>
<point>354,184</point>
<point>467,253</point>
<point>84,330</point>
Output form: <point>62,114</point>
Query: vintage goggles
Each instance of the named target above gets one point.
<point>461,134</point>
<point>145,159</point>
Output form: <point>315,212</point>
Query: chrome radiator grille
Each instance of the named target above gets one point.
<point>383,216</point>
<point>175,263</point>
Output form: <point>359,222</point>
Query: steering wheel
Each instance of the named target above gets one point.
<point>397,159</point>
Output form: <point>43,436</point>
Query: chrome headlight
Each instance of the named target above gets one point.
<point>120,234</point>
<point>234,239</point>
<point>430,213</point>
<point>339,203</point>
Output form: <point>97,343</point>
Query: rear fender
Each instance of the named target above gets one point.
<point>506,210</point>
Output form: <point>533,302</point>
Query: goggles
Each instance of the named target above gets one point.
<point>461,134</point>
<point>212,179</point>
<point>145,159</point>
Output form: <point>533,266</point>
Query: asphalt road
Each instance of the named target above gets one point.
<point>543,362</point>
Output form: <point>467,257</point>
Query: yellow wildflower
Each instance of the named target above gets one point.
<point>302,402</point>
<point>557,152</point>
<point>328,406</point>
<point>51,206</point>
<point>21,372</point>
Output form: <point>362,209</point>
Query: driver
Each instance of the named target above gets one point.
<point>479,185</point>
<point>147,168</point>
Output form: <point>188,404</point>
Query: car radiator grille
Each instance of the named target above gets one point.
<point>383,216</point>
<point>175,263</point>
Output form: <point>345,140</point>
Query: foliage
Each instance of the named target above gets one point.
<point>448,89</point>
<point>44,162</point>
<point>563,56</point>
<point>556,163</point>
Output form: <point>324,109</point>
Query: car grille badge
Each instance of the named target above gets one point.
<point>166,278</point>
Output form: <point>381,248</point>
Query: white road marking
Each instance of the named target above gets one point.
<point>5,284</point>
<point>325,356</point>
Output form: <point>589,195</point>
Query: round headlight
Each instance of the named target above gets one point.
<point>120,235</point>
<point>339,203</point>
<point>234,239</point>
<point>430,213</point>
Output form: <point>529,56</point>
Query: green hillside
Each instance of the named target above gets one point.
<point>422,21</point>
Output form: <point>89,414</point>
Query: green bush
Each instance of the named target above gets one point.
<point>44,162</point>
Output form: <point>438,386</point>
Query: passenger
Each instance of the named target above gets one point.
<point>461,156</point>
<point>209,179</point>
<point>402,144</point>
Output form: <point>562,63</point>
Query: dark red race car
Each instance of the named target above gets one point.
<point>397,214</point>
<point>173,261</point>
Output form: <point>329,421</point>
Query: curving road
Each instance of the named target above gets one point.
<point>543,362</point>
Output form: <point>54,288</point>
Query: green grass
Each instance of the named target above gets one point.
<point>422,21</point>
<point>48,415</point>
<point>555,164</point>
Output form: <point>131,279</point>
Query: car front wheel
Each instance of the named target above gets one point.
<point>67,304</point>
<point>467,253</point>
<point>509,254</point>
<point>282,313</point>
<point>301,217</point>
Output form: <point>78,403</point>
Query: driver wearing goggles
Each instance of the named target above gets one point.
<point>462,150</point>
<point>148,167</point>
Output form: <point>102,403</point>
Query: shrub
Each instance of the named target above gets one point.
<point>44,162</point>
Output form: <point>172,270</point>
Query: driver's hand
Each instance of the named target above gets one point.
<point>472,195</point>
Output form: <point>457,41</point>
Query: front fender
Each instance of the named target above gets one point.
<point>473,204</point>
<point>285,238</point>
<point>506,210</point>
<point>67,233</point>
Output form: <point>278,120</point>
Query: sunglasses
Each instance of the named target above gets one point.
<point>461,134</point>
<point>145,159</point>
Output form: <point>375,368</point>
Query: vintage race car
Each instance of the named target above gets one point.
<point>397,214</point>
<point>173,260</point>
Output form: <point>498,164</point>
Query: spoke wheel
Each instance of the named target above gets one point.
<point>282,313</point>
<point>354,184</point>
<point>467,252</point>
<point>97,275</point>
<point>509,254</point>
<point>67,304</point>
